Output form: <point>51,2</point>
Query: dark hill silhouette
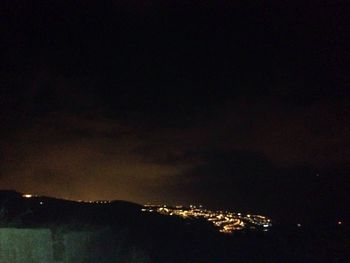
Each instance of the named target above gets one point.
<point>168,238</point>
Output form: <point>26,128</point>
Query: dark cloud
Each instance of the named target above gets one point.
<point>236,106</point>
<point>246,182</point>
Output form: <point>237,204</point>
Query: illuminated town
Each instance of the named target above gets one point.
<point>226,222</point>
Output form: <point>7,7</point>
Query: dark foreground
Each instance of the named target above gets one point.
<point>120,232</point>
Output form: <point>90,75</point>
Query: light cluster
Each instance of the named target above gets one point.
<point>226,222</point>
<point>80,201</point>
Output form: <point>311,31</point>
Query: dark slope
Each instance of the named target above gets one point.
<point>123,231</point>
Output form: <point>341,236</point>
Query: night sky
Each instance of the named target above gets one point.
<point>241,105</point>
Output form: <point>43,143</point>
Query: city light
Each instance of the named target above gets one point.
<point>226,222</point>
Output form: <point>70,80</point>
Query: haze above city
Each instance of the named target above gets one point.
<point>229,105</point>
